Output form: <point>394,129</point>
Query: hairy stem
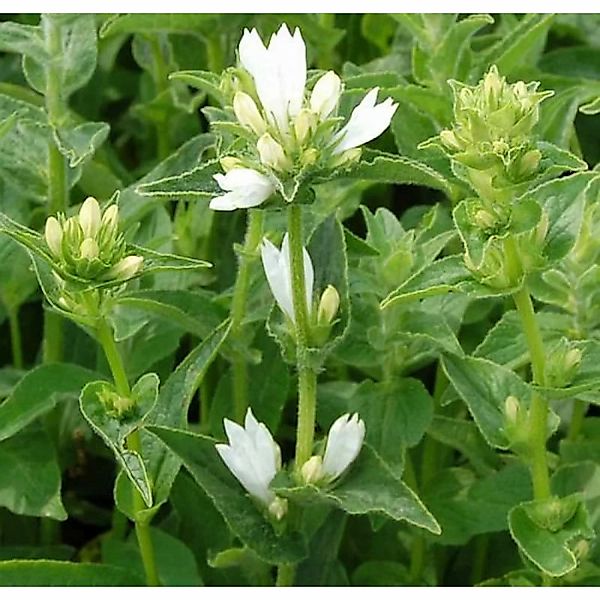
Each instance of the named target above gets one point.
<point>538,414</point>
<point>238,309</point>
<point>307,378</point>
<point>579,409</point>
<point>142,529</point>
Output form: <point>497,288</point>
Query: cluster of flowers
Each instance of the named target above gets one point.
<point>291,129</point>
<point>254,457</point>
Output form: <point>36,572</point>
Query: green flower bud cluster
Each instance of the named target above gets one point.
<point>492,130</point>
<point>89,244</point>
<point>114,404</point>
<point>562,364</point>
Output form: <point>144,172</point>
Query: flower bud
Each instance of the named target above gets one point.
<point>125,268</point>
<point>328,306</point>
<point>272,154</point>
<point>53,234</point>
<point>483,219</point>
<point>229,163</point>
<point>512,409</point>
<point>309,157</point>
<point>90,217</point>
<point>89,249</point>
<point>304,123</point>
<point>312,470</point>
<point>278,508</point>
<point>449,139</point>
<point>110,218</point>
<point>247,113</point>
<point>114,404</point>
<point>326,95</point>
<point>347,157</point>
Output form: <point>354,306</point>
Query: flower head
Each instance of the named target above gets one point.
<point>278,271</point>
<point>289,129</point>
<point>254,459</point>
<point>88,245</point>
<point>344,442</point>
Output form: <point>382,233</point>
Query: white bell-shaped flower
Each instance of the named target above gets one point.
<point>245,188</point>
<point>277,266</point>
<point>344,442</point>
<point>326,95</point>
<point>253,457</point>
<point>278,71</point>
<point>367,121</point>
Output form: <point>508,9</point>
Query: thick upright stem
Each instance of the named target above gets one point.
<point>238,309</point>
<point>538,414</point>
<point>58,193</point>
<point>307,379</point>
<point>142,530</point>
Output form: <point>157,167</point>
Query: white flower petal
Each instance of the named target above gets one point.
<point>344,442</point>
<point>278,277</point>
<point>246,188</point>
<point>366,122</point>
<point>252,456</point>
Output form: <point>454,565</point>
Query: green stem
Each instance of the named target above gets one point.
<point>142,529</point>
<point>538,414</point>
<point>307,378</point>
<point>15,337</point>
<point>58,191</point>
<point>285,575</point>
<point>238,309</point>
<point>579,409</point>
<point>479,558</point>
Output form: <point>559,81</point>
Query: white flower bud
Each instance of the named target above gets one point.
<point>247,113</point>
<point>347,157</point>
<point>312,470</point>
<point>326,95</point>
<point>304,123</point>
<point>512,408</point>
<point>278,508</point>
<point>230,162</point>
<point>272,154</point>
<point>125,268</point>
<point>90,217</point>
<point>89,249</point>
<point>448,138</point>
<point>572,358</point>
<point>328,305</point>
<point>110,218</point>
<point>53,234</point>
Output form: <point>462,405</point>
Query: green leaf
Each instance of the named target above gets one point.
<point>175,562</point>
<point>38,392</point>
<point>391,168</point>
<point>114,428</point>
<point>439,277</point>
<point>30,476</point>
<point>548,548</point>
<point>198,183</point>
<point>522,46</point>
<point>370,486</point>
<point>592,107</point>
<point>563,201</point>
<point>396,416</point>
<point>80,143</point>
<point>156,23</point>
<point>58,573</point>
<point>76,58</point>
<point>203,80</point>
<point>484,386</point>
<point>452,55</point>
<point>246,521</point>
<point>22,39</point>
<point>194,311</point>
<point>465,437</point>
